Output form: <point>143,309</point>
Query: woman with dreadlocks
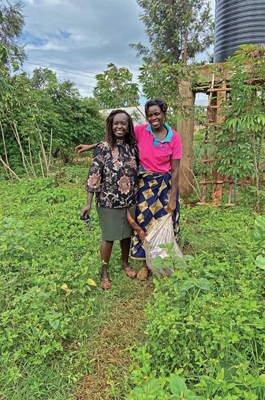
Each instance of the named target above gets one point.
<point>160,151</point>
<point>113,177</point>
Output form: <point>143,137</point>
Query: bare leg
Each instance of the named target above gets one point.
<point>106,248</point>
<point>125,249</point>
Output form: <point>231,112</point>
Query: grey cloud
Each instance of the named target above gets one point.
<point>83,34</point>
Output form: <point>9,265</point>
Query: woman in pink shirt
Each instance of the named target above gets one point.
<point>160,151</point>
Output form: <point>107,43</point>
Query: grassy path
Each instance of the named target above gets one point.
<point>108,352</point>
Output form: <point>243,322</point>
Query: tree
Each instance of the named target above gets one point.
<point>115,89</point>
<point>27,113</point>
<point>11,25</point>
<point>166,22</point>
<point>41,77</point>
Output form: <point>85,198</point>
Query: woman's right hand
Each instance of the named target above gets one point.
<point>85,211</point>
<point>81,148</point>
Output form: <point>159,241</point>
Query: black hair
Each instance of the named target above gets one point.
<point>110,137</point>
<point>156,102</point>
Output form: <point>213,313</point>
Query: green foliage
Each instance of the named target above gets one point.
<point>50,308</point>
<point>11,25</point>
<point>38,261</point>
<point>199,115</point>
<point>162,388</point>
<point>41,77</point>
<point>259,234</point>
<point>207,320</point>
<point>166,23</point>
<point>167,82</point>
<point>57,106</point>
<point>115,89</point>
<point>237,141</point>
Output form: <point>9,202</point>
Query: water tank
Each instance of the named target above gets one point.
<point>237,22</point>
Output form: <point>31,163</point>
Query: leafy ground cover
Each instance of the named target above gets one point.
<point>202,332</point>
<point>58,330</point>
<point>206,322</point>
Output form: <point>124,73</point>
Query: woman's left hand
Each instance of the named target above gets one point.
<point>172,204</point>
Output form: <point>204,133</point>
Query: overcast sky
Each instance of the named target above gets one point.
<point>81,37</point>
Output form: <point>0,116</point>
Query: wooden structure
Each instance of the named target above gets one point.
<point>217,95</point>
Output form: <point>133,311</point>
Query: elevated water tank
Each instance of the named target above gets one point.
<point>237,22</point>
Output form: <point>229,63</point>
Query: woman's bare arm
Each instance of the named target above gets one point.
<point>85,147</point>
<point>86,210</point>
<point>172,204</point>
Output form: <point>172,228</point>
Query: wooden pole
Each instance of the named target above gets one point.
<point>41,166</point>
<point>50,155</point>
<point>30,157</point>
<point>208,120</point>
<point>218,189</point>
<point>6,166</point>
<point>3,136</point>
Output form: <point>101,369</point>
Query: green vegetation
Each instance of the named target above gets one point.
<point>54,319</point>
<point>12,21</point>
<point>44,110</point>
<point>115,89</point>
<point>166,23</point>
<point>61,335</point>
<point>206,322</point>
<point>238,140</point>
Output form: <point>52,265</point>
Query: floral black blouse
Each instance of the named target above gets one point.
<point>113,175</point>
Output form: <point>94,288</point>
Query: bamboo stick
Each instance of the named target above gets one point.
<point>213,182</point>
<point>30,157</point>
<point>50,154</point>
<point>42,149</point>
<point>214,204</point>
<point>198,194</point>
<point>9,168</point>
<point>21,149</point>
<point>230,193</point>
<point>41,166</point>
<point>210,159</point>
<point>3,136</point>
<point>220,90</point>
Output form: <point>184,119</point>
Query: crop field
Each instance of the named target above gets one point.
<point>199,334</point>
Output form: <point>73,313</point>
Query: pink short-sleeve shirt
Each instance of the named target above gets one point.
<point>155,155</point>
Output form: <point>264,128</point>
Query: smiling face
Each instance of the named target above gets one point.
<point>120,125</point>
<point>155,117</point>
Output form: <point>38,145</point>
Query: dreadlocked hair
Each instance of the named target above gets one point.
<point>156,102</point>
<point>110,137</point>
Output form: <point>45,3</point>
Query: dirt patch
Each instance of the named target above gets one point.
<point>109,355</point>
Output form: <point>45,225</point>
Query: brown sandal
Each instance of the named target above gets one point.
<point>106,284</point>
<point>130,272</point>
<point>144,274</point>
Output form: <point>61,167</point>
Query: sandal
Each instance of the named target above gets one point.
<point>144,274</point>
<point>106,284</point>
<point>130,272</point>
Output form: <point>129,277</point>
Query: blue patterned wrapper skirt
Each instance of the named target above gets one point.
<point>153,197</point>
